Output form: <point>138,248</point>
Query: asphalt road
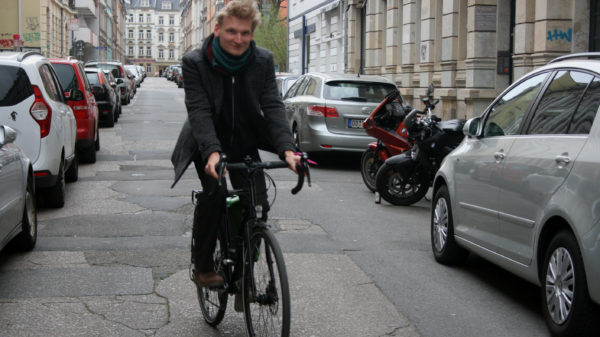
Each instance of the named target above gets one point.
<point>114,261</point>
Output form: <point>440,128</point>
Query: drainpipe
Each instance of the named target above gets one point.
<point>303,43</point>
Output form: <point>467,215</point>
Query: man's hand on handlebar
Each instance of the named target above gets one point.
<point>292,160</point>
<point>211,165</point>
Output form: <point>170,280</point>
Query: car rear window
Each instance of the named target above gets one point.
<point>93,78</point>
<point>14,86</point>
<point>357,91</point>
<point>113,68</point>
<point>66,76</point>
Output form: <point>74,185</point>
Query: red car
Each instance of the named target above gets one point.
<point>73,80</point>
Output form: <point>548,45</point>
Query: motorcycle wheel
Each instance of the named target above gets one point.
<point>369,165</point>
<point>397,189</point>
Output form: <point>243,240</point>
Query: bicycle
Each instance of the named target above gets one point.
<point>249,257</point>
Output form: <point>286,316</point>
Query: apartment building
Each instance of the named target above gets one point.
<point>153,34</point>
<point>470,50</point>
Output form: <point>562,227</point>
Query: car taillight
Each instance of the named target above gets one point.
<point>122,90</point>
<point>41,112</point>
<point>319,110</point>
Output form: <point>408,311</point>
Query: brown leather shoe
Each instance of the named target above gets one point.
<point>209,279</point>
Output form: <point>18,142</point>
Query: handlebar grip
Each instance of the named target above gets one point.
<point>221,169</point>
<point>298,187</point>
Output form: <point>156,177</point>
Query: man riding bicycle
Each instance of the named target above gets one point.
<point>233,108</point>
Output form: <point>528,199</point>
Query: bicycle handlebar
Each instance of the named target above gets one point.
<point>249,164</point>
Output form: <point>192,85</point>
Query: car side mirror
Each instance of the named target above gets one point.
<point>74,95</point>
<point>7,135</point>
<point>471,127</point>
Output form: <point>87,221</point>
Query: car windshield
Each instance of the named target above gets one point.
<point>66,76</point>
<point>357,91</point>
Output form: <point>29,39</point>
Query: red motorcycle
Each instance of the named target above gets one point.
<point>386,123</point>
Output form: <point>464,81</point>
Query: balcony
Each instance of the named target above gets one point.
<point>86,35</point>
<point>86,8</point>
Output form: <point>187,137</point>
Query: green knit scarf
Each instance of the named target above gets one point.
<point>228,62</point>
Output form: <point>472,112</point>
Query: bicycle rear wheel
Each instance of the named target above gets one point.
<point>213,301</point>
<point>267,308</point>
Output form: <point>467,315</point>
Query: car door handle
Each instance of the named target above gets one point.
<point>499,156</point>
<point>563,159</point>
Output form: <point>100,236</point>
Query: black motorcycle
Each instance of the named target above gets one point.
<point>405,178</point>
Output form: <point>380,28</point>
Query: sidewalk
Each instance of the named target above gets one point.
<point>56,293</point>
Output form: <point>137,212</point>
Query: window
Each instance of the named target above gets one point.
<point>171,20</point>
<point>148,18</point>
<point>141,52</point>
<point>141,18</point>
<point>50,85</point>
<point>357,91</point>
<point>166,5</point>
<point>15,86</point>
<point>171,37</point>
<point>145,3</point>
<point>556,108</point>
<point>294,88</point>
<point>148,51</point>
<point>130,34</point>
<point>587,110</point>
<point>161,20</point>
<point>171,53</point>
<point>141,34</point>
<point>130,18</point>
<point>149,67</point>
<point>506,115</point>
<point>161,53</point>
<point>149,34</point>
<point>130,51</point>
<point>161,36</point>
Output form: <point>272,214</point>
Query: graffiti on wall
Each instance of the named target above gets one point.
<point>560,35</point>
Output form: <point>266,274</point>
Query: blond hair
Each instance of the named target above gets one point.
<point>241,9</point>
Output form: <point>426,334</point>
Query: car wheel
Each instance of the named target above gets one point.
<point>88,155</point>
<point>27,238</point>
<point>111,119</point>
<point>566,302</point>
<point>97,143</point>
<point>55,196</point>
<point>444,246</point>
<point>73,171</point>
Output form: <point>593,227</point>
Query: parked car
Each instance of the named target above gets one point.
<point>284,82</point>
<point>106,97</point>
<point>326,111</point>
<point>33,104</point>
<point>119,72</point>
<point>113,84</point>
<point>74,81</point>
<point>177,76</point>
<point>142,71</point>
<point>133,69</point>
<point>523,190</point>
<point>18,212</point>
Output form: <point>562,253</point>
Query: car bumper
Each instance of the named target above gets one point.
<point>322,140</point>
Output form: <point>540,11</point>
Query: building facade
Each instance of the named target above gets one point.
<point>40,25</point>
<point>470,50</point>
<point>153,34</point>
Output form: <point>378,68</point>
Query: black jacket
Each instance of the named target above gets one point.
<point>203,85</point>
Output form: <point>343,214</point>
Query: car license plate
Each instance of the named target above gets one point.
<point>355,123</point>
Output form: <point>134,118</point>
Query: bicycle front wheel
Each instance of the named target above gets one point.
<point>267,303</point>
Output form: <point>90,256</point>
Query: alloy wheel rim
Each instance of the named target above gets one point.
<point>440,224</point>
<point>560,285</point>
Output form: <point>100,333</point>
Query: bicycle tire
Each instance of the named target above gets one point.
<point>213,301</point>
<point>267,313</point>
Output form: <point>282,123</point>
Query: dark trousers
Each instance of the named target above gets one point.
<point>210,209</point>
